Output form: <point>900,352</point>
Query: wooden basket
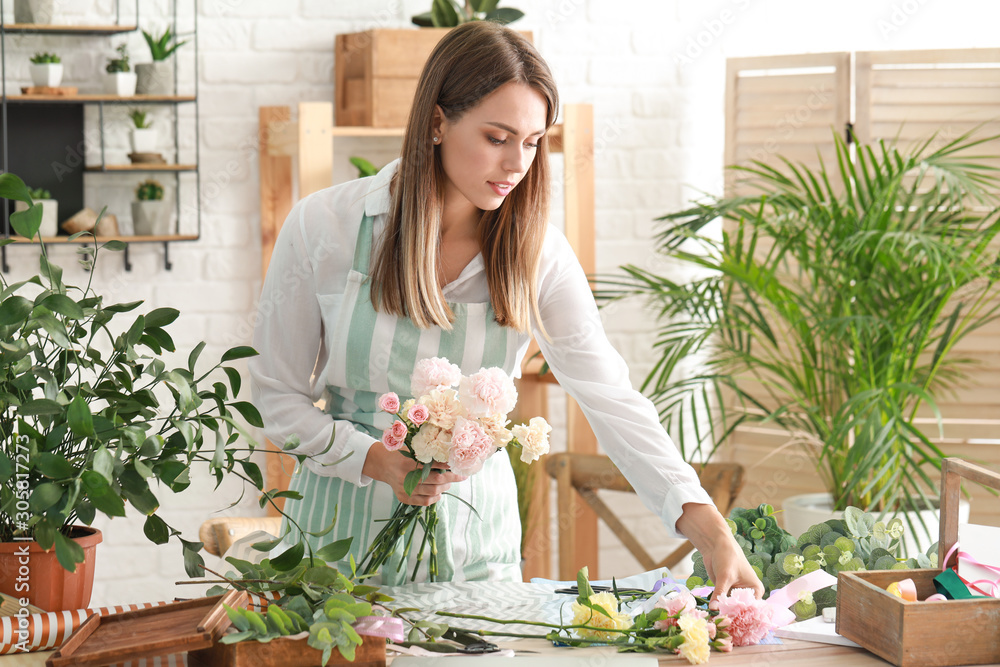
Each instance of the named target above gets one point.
<point>928,634</point>
<point>376,73</point>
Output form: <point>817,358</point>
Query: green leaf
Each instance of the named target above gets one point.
<point>14,309</point>
<point>62,304</point>
<point>68,552</point>
<point>444,14</point>
<point>104,463</point>
<point>193,357</point>
<point>44,496</point>
<point>290,558</point>
<point>6,467</point>
<point>161,317</point>
<point>54,466</point>
<point>81,422</point>
<point>193,562</point>
<point>135,331</point>
<point>235,381</point>
<point>240,352</point>
<point>504,15</point>
<point>267,545</point>
<point>12,187</point>
<point>252,471</point>
<point>249,413</point>
<point>115,245</point>
<point>27,223</point>
<point>101,495</point>
<point>40,406</point>
<point>156,529</point>
<point>334,551</point>
<point>411,481</point>
<point>186,402</point>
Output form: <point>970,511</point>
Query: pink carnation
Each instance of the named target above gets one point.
<point>389,403</point>
<point>724,644</point>
<point>418,414</point>
<point>471,445</point>
<point>489,392</point>
<point>749,618</point>
<point>399,430</point>
<point>391,442</point>
<point>433,373</point>
<point>675,606</point>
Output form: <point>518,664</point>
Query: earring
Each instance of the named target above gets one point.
<point>436,139</point>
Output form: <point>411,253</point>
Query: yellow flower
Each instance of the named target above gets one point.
<point>695,648</point>
<point>595,619</point>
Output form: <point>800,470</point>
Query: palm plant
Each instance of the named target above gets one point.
<point>831,308</point>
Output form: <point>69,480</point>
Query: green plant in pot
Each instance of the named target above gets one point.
<point>449,13</point>
<point>831,308</point>
<point>143,134</point>
<point>157,77</point>
<point>46,69</point>
<point>150,213</point>
<point>92,419</point>
<point>49,225</point>
<point>120,79</point>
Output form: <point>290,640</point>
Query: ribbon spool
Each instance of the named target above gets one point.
<point>904,589</point>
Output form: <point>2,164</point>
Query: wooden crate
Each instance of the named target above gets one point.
<point>284,652</point>
<point>376,74</point>
<point>925,634</point>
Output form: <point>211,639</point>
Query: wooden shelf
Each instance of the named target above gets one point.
<point>142,167</point>
<point>166,238</point>
<point>93,98</point>
<point>55,29</point>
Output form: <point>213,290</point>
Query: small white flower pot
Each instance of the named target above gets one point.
<point>50,216</point>
<point>143,140</point>
<point>151,218</point>
<point>46,74</point>
<point>156,78</point>
<point>121,84</point>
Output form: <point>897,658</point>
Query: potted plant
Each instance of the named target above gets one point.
<point>157,77</point>
<point>49,225</point>
<point>34,11</point>
<point>831,307</point>
<point>46,70</point>
<point>121,80</point>
<point>150,214</point>
<point>449,13</point>
<point>143,136</point>
<point>92,419</point>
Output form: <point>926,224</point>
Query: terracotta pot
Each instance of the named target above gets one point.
<point>26,571</point>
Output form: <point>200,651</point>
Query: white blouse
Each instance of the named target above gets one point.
<point>301,300</point>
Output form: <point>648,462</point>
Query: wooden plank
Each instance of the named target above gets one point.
<point>102,97</point>
<point>915,96</point>
<point>782,83</point>
<point>823,117</point>
<point>932,56</point>
<point>60,29</point>
<point>165,238</point>
<point>934,78</point>
<point>315,155</point>
<point>944,112</point>
<point>143,167</point>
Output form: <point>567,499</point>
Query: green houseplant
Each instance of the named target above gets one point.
<point>46,70</point>
<point>831,307</point>
<point>120,79</point>
<point>449,13</point>
<point>143,134</point>
<point>157,77</point>
<point>150,213</point>
<point>92,418</point>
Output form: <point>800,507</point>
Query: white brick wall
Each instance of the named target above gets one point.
<point>653,70</point>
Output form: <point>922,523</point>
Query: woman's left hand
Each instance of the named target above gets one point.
<point>724,560</point>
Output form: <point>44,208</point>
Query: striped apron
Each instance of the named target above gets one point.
<point>373,353</point>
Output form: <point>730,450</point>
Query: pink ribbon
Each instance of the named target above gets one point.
<point>993,585</point>
<point>783,598</point>
<point>387,627</point>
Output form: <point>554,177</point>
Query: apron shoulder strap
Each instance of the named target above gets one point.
<point>363,248</point>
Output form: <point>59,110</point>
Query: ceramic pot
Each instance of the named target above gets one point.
<point>50,216</point>
<point>151,218</point>
<point>26,571</point>
<point>121,84</point>
<point>156,78</point>
<point>804,511</point>
<point>143,140</point>
<point>46,74</point>
<point>34,11</point>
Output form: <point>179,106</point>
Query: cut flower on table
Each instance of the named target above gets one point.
<point>455,420</point>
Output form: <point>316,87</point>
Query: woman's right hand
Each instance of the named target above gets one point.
<point>392,468</point>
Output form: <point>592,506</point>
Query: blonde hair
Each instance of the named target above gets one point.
<point>469,63</point>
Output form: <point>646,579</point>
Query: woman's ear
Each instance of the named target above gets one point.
<point>439,123</point>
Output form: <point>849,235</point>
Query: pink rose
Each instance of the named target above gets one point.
<point>470,447</point>
<point>489,392</point>
<point>399,430</point>
<point>725,644</point>
<point>391,442</point>
<point>418,414</point>
<point>749,618</point>
<point>675,606</point>
<point>389,403</point>
<point>433,373</point>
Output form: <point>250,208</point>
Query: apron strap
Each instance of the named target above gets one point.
<point>363,248</point>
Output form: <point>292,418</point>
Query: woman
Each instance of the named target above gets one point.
<point>447,252</point>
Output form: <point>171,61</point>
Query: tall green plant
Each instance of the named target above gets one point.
<point>831,307</point>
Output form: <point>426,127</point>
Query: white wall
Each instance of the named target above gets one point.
<point>653,70</point>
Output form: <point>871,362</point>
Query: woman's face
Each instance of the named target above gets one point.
<point>487,152</point>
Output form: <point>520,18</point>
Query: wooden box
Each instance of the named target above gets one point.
<point>284,652</point>
<point>928,634</point>
<point>376,74</point>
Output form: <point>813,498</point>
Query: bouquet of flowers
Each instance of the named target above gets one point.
<point>456,420</point>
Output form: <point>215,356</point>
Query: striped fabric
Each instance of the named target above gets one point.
<point>49,630</point>
<point>376,353</point>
